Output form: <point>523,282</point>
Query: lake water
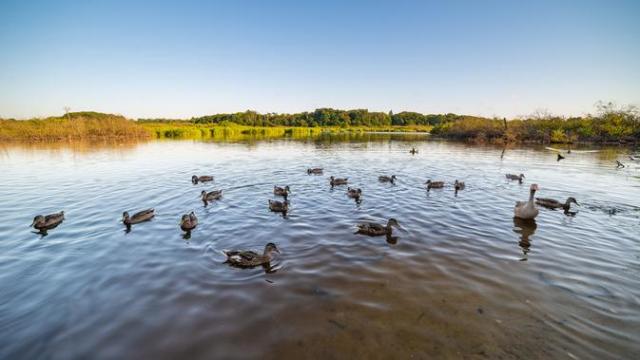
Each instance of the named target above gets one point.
<point>462,279</point>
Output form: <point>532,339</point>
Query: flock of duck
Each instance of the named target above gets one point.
<point>524,210</point>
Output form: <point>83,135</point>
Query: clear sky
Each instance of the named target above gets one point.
<point>190,58</point>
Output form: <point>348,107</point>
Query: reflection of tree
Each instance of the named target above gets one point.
<point>525,228</point>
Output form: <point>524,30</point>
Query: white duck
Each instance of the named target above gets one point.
<point>527,210</point>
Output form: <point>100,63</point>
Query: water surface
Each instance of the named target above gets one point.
<point>462,279</point>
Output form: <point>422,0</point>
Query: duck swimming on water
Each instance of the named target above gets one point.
<point>527,210</point>
<point>389,179</point>
<point>315,171</point>
<point>188,222</point>
<point>434,184</point>
<point>249,259</point>
<point>196,179</point>
<point>555,204</point>
<point>47,222</point>
<point>458,185</point>
<point>354,193</point>
<point>338,181</point>
<point>515,177</point>
<point>210,196</point>
<point>281,191</point>
<point>140,216</point>
<point>375,229</point>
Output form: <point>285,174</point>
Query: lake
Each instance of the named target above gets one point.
<point>461,278</point>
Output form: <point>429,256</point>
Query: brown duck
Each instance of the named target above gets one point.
<point>338,181</point>
<point>47,222</point>
<point>434,184</point>
<point>375,229</point>
<point>210,196</point>
<point>141,216</point>
<point>249,259</point>
<point>188,222</point>
<point>205,178</point>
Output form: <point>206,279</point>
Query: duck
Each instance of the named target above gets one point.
<point>249,259</point>
<point>210,196</point>
<point>458,185</point>
<point>555,204</point>
<point>47,222</point>
<point>204,178</point>
<point>515,177</point>
<point>389,179</point>
<point>560,157</point>
<point>279,206</point>
<point>315,171</point>
<point>281,191</point>
<point>338,181</point>
<point>375,229</point>
<point>527,210</point>
<point>434,184</point>
<point>188,222</point>
<point>354,193</point>
<point>140,216</point>
<point>413,151</point>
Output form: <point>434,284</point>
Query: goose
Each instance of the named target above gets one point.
<point>338,181</point>
<point>47,222</point>
<point>210,196</point>
<point>515,177</point>
<point>619,164</point>
<point>248,258</point>
<point>555,204</point>
<point>527,210</point>
<point>434,184</point>
<point>375,229</point>
<point>354,193</point>
<point>315,171</point>
<point>188,222</point>
<point>389,179</point>
<point>413,151</point>
<point>281,191</point>
<point>458,185</point>
<point>279,206</point>
<point>196,179</point>
<point>140,216</point>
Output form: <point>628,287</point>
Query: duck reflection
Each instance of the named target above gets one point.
<point>525,228</point>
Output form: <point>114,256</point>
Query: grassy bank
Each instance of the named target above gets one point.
<point>73,126</point>
<point>610,125</point>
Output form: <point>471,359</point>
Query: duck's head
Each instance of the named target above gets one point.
<point>203,193</point>
<point>393,222</point>
<point>287,188</point>
<point>393,177</point>
<point>571,199</point>
<point>331,178</point>
<point>194,179</point>
<point>428,182</point>
<point>37,220</point>
<point>521,176</point>
<point>125,215</point>
<point>534,187</point>
<point>270,248</point>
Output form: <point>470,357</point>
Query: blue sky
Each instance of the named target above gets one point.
<point>190,58</point>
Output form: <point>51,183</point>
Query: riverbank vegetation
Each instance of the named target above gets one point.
<point>610,124</point>
<point>72,126</point>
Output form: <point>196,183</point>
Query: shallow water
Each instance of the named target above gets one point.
<point>462,279</point>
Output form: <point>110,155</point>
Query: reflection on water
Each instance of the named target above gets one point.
<point>525,228</point>
<point>448,284</point>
